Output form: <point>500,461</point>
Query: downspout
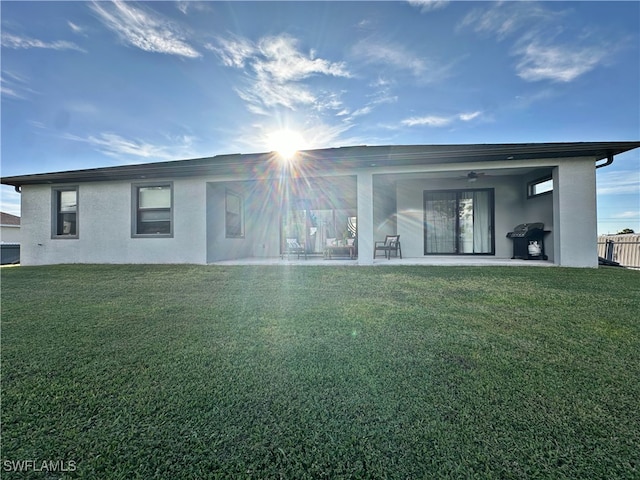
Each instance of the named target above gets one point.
<point>17,188</point>
<point>608,162</point>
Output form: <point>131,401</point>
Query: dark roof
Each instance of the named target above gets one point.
<point>8,219</point>
<point>266,164</point>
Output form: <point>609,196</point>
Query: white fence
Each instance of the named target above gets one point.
<point>624,249</point>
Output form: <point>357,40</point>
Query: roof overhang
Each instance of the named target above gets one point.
<point>261,165</point>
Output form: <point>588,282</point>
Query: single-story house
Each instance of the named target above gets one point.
<point>9,228</point>
<point>441,199</point>
<point>9,238</point>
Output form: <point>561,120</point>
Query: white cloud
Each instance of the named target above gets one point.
<point>428,5</point>
<point>362,111</point>
<point>114,145</point>
<point>9,40</point>
<point>558,63</point>
<point>390,54</point>
<point>399,59</point>
<point>143,29</point>
<point>506,18</point>
<point>233,52</point>
<point>618,182</point>
<point>527,99</point>
<point>265,93</point>
<point>183,6</point>
<point>282,62</point>
<point>383,93</point>
<point>376,98</point>
<point>380,82</point>
<point>275,71</point>
<point>430,121</point>
<point>467,117</point>
<point>629,214</point>
<point>536,31</point>
<point>76,28</point>
<point>8,89</point>
<point>15,86</point>
<point>82,107</point>
<point>439,121</point>
<point>323,135</point>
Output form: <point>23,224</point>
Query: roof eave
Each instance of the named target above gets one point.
<point>355,157</point>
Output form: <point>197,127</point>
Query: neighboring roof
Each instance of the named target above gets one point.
<point>260,164</point>
<point>8,219</point>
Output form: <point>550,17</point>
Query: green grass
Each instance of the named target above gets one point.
<point>321,372</point>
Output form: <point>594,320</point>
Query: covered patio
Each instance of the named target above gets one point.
<point>451,205</point>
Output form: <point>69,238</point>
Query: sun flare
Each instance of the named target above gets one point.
<point>285,142</point>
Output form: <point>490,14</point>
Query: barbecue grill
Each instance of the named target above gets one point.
<point>528,241</point>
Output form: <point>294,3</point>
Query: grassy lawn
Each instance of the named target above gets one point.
<point>321,372</point>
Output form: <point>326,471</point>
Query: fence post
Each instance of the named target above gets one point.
<point>609,250</point>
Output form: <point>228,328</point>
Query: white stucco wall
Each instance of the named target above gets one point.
<point>384,207</point>
<point>261,221</point>
<point>365,218</point>
<point>104,227</point>
<point>10,234</point>
<point>574,214</point>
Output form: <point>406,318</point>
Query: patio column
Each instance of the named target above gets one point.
<point>365,218</point>
<point>574,214</point>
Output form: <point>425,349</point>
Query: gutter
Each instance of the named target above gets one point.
<point>608,162</point>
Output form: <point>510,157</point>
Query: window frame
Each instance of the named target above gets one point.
<point>240,200</point>
<point>56,212</point>
<point>135,210</point>
<point>538,181</point>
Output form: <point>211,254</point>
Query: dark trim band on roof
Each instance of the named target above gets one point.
<point>259,164</point>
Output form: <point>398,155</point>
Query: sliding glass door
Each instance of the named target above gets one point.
<point>459,222</point>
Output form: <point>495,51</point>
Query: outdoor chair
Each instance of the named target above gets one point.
<point>292,247</point>
<point>391,244</point>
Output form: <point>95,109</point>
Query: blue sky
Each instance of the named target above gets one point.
<point>96,84</point>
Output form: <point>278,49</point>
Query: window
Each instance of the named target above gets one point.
<point>540,187</point>
<point>65,212</point>
<point>152,210</point>
<point>234,218</point>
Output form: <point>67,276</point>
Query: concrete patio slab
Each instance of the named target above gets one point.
<point>425,261</point>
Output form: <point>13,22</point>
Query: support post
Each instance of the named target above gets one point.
<point>365,218</point>
<point>574,214</point>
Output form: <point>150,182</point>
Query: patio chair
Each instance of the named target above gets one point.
<point>391,244</point>
<point>292,247</point>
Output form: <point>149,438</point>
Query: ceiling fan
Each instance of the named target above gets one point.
<point>473,176</point>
